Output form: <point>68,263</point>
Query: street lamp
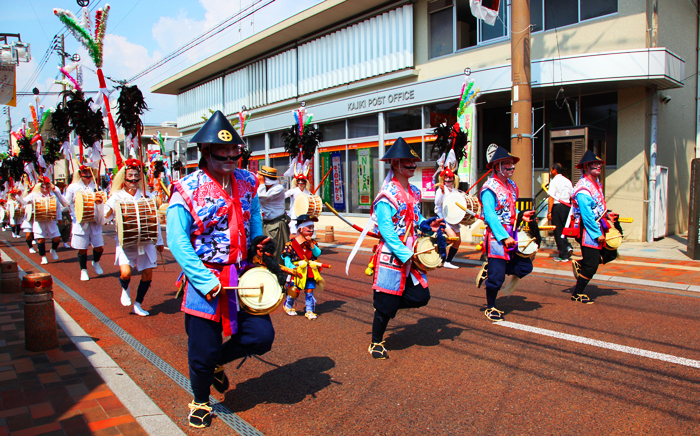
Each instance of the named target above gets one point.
<point>15,52</point>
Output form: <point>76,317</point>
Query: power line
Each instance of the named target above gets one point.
<point>234,19</point>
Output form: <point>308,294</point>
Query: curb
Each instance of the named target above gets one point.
<point>140,405</point>
<point>556,272</point>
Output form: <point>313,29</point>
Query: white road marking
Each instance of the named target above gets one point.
<point>602,344</point>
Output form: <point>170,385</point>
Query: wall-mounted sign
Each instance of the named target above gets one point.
<point>379,101</point>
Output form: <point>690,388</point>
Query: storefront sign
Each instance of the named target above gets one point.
<point>382,100</point>
<point>253,165</point>
<point>337,174</point>
<point>364,178</point>
<point>428,186</point>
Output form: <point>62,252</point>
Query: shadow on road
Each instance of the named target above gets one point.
<point>288,384</point>
<point>426,331</point>
<point>593,291</point>
<point>516,303</point>
<point>168,306</point>
<point>329,306</point>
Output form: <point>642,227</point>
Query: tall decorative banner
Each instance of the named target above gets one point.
<point>364,178</point>
<point>325,191</point>
<point>337,174</point>
<point>467,121</point>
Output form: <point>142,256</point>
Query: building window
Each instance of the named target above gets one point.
<point>403,120</point>
<point>559,13</point>
<point>363,126</point>
<point>333,131</point>
<point>441,23</point>
<point>438,113</point>
<point>256,143</point>
<point>276,140</point>
<point>598,8</point>
<point>499,28</point>
<point>466,26</point>
<point>550,14</point>
<point>452,24</point>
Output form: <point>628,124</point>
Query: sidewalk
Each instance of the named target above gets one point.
<point>56,392</point>
<point>662,263</point>
<point>75,389</point>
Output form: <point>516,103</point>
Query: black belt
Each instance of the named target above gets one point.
<point>274,220</point>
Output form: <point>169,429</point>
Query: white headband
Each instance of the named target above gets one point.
<point>305,224</point>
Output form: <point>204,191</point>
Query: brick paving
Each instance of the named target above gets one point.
<point>56,392</point>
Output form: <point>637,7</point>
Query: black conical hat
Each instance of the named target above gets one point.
<point>501,154</point>
<point>589,157</point>
<point>400,150</point>
<point>217,130</point>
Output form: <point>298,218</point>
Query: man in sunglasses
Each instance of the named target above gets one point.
<point>214,227</point>
<point>89,233</point>
<point>126,188</point>
<point>591,216</point>
<point>498,197</point>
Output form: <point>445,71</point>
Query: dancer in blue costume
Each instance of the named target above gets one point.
<point>498,197</point>
<point>592,218</point>
<point>398,283</point>
<point>214,224</point>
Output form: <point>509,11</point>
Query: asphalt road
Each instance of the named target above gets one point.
<point>628,364</point>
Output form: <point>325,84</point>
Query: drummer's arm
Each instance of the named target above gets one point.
<point>179,227</point>
<point>488,199</point>
<point>384,211</point>
<point>109,204</point>
<point>60,197</point>
<point>256,227</point>
<point>438,203</point>
<point>585,204</point>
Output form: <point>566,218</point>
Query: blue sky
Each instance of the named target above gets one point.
<point>139,33</point>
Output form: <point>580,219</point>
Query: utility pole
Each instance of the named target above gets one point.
<point>63,65</point>
<point>9,129</point>
<point>521,106</point>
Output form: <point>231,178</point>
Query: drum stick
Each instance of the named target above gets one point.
<point>477,182</point>
<point>289,271</point>
<point>427,250</point>
<point>322,180</point>
<point>628,219</point>
<point>261,288</point>
<point>354,226</point>
<point>464,208</point>
<point>317,264</point>
<point>614,237</point>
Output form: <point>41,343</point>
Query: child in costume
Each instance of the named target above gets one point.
<point>300,254</point>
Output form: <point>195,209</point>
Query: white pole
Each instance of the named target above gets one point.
<point>381,151</point>
<point>652,168</point>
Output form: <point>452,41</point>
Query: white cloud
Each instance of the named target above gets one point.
<point>124,59</point>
